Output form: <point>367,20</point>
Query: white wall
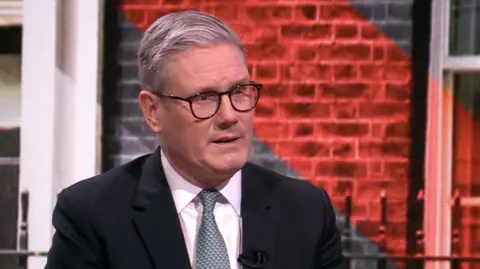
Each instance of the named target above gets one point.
<point>59,134</point>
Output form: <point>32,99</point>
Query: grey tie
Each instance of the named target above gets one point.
<point>211,251</point>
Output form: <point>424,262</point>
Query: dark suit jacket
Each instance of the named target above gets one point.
<point>126,219</point>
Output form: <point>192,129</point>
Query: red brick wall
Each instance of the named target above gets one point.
<point>336,102</point>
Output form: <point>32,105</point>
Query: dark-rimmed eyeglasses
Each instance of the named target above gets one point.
<point>204,105</point>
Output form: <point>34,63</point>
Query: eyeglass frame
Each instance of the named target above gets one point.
<point>228,92</point>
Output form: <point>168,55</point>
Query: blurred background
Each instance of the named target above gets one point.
<point>377,101</point>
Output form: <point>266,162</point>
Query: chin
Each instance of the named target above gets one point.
<point>229,162</point>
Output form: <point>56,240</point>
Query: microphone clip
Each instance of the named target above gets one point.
<point>253,262</point>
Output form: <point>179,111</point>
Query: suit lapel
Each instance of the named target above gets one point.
<point>156,218</point>
<point>259,220</point>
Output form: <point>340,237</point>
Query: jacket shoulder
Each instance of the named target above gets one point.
<point>90,190</point>
<point>291,189</point>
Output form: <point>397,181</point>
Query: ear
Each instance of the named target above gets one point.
<point>152,110</point>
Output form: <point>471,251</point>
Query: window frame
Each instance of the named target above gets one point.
<point>439,135</point>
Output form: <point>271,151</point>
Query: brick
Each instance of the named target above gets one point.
<point>303,166</point>
<point>306,32</point>
<point>274,91</point>
<point>299,72</point>
<point>383,149</point>
<point>342,169</point>
<point>351,52</point>
<point>303,91</point>
<point>376,169</point>
<point>396,54</point>
<point>263,52</point>
<point>378,130</point>
<point>302,130</point>
<point>305,149</point>
<point>398,91</point>
<point>378,53</point>
<point>400,11</point>
<point>345,72</point>
<point>397,170</point>
<point>266,13</point>
<point>153,14</point>
<point>384,110</point>
<point>271,130</point>
<point>129,110</point>
<point>136,16</point>
<point>324,52</point>
<point>369,32</point>
<point>399,31</point>
<point>212,2</point>
<point>129,72</point>
<point>346,31</point>
<point>372,72</point>
<point>345,110</point>
<point>244,31</point>
<point>130,127</point>
<point>225,12</point>
<point>343,149</point>
<point>395,213</point>
<point>280,13</point>
<point>267,34</point>
<point>127,53</point>
<point>340,12</point>
<point>140,2</point>
<point>266,72</point>
<point>266,109</point>
<point>306,53</point>
<point>371,189</point>
<point>131,145</point>
<point>368,227</point>
<point>306,13</point>
<point>342,129</point>
<point>342,187</point>
<point>304,110</point>
<point>251,69</point>
<point>343,90</point>
<point>172,2</point>
<point>374,10</point>
<point>128,91</point>
<point>399,129</point>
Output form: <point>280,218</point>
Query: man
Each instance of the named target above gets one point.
<point>195,202</point>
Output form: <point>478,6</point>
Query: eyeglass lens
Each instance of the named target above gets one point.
<point>242,98</point>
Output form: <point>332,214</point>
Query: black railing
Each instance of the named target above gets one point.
<point>415,261</point>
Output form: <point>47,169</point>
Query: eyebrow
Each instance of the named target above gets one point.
<point>235,83</point>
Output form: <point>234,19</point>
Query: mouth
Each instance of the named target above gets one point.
<point>225,140</point>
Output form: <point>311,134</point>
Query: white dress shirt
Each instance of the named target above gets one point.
<point>189,209</point>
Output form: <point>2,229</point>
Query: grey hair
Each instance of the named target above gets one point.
<point>174,33</point>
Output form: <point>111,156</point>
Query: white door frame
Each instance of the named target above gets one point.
<point>60,110</point>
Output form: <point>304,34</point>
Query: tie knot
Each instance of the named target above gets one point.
<point>208,197</point>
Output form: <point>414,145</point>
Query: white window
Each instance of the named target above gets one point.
<point>11,12</point>
<point>453,127</point>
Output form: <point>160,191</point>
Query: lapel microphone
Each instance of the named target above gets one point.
<point>252,262</point>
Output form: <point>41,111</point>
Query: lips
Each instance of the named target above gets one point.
<point>226,139</point>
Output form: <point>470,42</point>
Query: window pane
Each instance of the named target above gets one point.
<point>466,154</point>
<point>464,27</point>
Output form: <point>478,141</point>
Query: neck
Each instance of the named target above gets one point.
<point>198,176</point>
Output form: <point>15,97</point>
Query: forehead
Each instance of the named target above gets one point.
<point>213,67</point>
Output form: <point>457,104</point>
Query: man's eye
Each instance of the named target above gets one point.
<point>238,90</point>
<point>208,96</point>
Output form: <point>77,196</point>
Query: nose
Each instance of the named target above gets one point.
<point>226,113</point>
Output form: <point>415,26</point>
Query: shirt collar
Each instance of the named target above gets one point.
<point>184,192</point>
